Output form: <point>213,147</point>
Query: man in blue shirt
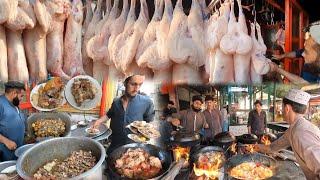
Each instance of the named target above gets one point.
<point>12,120</point>
<point>130,107</point>
<point>310,53</point>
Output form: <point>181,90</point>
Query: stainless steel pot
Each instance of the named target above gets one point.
<point>34,117</point>
<point>5,164</point>
<point>18,152</point>
<point>61,148</point>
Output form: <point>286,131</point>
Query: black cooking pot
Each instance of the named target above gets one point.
<point>255,157</point>
<point>163,155</point>
<point>182,138</point>
<point>195,156</point>
<point>247,139</point>
<point>224,140</point>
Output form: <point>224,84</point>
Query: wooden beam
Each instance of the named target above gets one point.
<point>276,5</point>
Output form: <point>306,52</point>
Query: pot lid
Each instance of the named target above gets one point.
<point>224,137</point>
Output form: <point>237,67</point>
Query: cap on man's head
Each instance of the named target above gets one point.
<point>298,96</point>
<point>197,98</point>
<point>14,85</point>
<point>258,102</point>
<point>314,30</point>
<point>209,98</point>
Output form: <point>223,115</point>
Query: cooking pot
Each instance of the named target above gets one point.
<point>247,139</point>
<point>163,155</point>
<point>18,152</point>
<point>195,156</point>
<point>255,157</point>
<point>60,148</point>
<point>224,140</point>
<point>37,116</point>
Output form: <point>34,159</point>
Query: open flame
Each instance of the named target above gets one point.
<point>250,148</point>
<point>182,153</point>
<point>265,140</point>
<point>209,169</point>
<point>233,148</point>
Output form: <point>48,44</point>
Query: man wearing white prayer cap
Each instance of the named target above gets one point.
<point>310,53</point>
<point>302,135</point>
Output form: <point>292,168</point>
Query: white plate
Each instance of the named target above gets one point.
<point>135,138</point>
<point>9,169</point>
<point>87,131</point>
<point>87,104</point>
<point>34,100</point>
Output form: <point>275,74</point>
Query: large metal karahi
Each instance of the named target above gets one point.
<point>60,148</point>
<point>163,155</point>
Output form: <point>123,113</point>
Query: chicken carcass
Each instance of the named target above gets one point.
<point>223,64</point>
<point>88,34</point>
<point>196,29</point>
<point>88,16</point>
<point>34,41</point>
<point>180,44</point>
<point>4,10</point>
<point>42,15</point>
<point>3,55</point>
<point>149,36</point>
<point>185,74</point>
<point>119,40</point>
<point>17,63</point>
<point>229,41</point>
<point>24,17</point>
<point>163,62</point>
<point>244,46</point>
<point>259,63</point>
<point>59,12</point>
<point>72,58</point>
<point>105,16</point>
<point>118,26</point>
<point>97,47</point>
<point>131,38</point>
<point>255,77</point>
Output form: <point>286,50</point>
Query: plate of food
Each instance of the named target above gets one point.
<point>83,92</point>
<point>48,96</point>
<point>149,132</point>
<point>138,138</point>
<point>133,129</point>
<point>92,131</point>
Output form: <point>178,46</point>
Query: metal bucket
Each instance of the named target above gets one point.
<point>60,148</point>
<point>18,152</point>
<point>34,117</point>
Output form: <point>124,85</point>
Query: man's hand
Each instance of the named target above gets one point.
<point>97,123</point>
<point>273,67</point>
<point>262,148</point>
<point>278,56</point>
<point>175,121</point>
<point>11,145</point>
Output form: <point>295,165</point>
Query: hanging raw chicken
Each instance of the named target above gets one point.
<point>59,11</point>
<point>224,66</point>
<point>125,51</point>
<point>242,55</point>
<point>147,45</point>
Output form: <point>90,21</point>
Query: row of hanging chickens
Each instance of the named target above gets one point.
<point>53,35</point>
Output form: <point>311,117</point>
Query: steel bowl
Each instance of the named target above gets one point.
<point>6,164</point>
<point>60,148</point>
<point>18,152</point>
<point>34,117</point>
